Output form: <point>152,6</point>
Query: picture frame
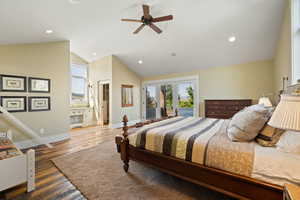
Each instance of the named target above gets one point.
<point>39,85</point>
<point>14,103</point>
<point>13,83</point>
<point>127,95</point>
<point>36,104</point>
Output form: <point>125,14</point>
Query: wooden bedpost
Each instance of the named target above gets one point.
<point>123,143</point>
<point>125,127</point>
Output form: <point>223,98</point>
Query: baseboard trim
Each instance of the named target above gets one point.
<point>120,125</point>
<point>49,139</point>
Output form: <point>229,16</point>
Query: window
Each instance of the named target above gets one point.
<point>295,39</point>
<point>79,83</point>
<point>163,97</point>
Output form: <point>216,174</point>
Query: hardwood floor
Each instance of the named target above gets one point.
<point>51,184</point>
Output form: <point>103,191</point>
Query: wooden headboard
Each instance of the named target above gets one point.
<point>225,109</point>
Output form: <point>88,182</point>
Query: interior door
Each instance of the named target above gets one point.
<point>105,106</point>
<point>101,104</point>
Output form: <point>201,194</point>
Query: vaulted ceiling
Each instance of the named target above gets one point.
<point>198,35</point>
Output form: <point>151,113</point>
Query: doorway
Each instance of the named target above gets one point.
<point>161,98</point>
<point>103,100</point>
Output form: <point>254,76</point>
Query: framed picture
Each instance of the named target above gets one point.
<point>41,85</point>
<point>39,104</point>
<point>11,83</point>
<point>127,95</point>
<point>14,103</point>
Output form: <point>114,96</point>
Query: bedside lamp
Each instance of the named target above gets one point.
<point>265,101</point>
<point>287,113</point>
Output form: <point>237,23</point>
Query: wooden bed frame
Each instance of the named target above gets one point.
<point>237,186</point>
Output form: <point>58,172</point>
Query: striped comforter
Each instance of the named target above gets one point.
<point>200,140</point>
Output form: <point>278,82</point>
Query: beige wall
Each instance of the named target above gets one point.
<point>101,70</point>
<point>44,60</point>
<point>282,60</point>
<point>250,80</point>
<point>111,69</point>
<point>121,74</point>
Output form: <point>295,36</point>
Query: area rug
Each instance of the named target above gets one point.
<point>98,173</point>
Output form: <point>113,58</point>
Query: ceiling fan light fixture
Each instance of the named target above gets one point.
<point>94,54</point>
<point>140,62</point>
<point>148,20</point>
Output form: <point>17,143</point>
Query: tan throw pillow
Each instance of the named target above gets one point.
<point>269,136</point>
<point>246,124</point>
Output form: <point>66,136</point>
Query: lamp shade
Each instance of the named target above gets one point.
<point>287,113</point>
<point>265,101</point>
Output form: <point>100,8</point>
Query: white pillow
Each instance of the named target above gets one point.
<point>246,124</point>
<point>289,142</point>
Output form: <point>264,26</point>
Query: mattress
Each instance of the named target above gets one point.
<point>204,141</point>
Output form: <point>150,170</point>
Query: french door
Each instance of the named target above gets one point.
<point>162,99</point>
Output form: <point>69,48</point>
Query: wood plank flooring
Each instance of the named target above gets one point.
<point>51,184</point>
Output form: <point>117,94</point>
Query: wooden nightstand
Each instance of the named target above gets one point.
<point>291,192</point>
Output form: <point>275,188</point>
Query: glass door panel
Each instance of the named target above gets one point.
<point>166,100</point>
<point>185,96</point>
<point>151,103</point>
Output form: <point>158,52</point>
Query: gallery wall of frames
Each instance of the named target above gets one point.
<point>23,84</point>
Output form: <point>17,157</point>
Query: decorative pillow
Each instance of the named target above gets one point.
<point>269,136</point>
<point>246,124</point>
<point>289,142</point>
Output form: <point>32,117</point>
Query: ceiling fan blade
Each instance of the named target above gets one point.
<point>155,28</point>
<point>164,18</point>
<point>146,10</point>
<point>131,20</point>
<point>139,29</point>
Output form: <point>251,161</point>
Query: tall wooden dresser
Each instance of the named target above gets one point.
<point>225,109</point>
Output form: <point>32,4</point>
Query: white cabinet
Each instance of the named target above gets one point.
<point>81,117</point>
<point>17,169</point>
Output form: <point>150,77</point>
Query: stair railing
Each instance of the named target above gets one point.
<point>23,127</point>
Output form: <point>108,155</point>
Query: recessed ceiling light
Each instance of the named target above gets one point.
<point>49,31</point>
<point>140,62</point>
<point>74,1</point>
<point>232,39</point>
<point>94,54</point>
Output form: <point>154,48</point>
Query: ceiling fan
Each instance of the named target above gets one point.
<point>148,20</point>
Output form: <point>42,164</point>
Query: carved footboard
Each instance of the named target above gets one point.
<point>234,185</point>
<point>123,144</point>
<point>122,141</point>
